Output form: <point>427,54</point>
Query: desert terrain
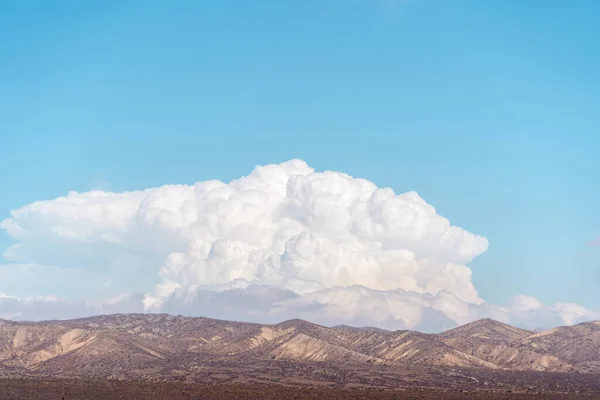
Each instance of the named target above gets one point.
<point>112,390</point>
<point>164,356</point>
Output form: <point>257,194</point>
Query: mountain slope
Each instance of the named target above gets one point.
<point>502,345</point>
<point>578,344</point>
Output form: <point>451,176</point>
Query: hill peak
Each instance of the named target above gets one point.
<point>489,328</point>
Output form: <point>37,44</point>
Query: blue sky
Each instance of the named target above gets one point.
<point>488,109</point>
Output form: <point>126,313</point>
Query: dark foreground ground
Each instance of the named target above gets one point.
<point>40,389</point>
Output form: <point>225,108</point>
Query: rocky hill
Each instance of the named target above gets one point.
<point>152,345</point>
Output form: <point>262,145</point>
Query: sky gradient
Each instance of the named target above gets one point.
<point>488,110</point>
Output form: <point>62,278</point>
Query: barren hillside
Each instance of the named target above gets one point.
<point>147,345</point>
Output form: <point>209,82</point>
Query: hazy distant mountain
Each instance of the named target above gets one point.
<point>150,344</point>
<point>361,328</point>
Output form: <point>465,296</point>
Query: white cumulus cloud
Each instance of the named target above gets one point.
<point>284,241</point>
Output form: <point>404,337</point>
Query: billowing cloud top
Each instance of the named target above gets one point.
<point>284,241</point>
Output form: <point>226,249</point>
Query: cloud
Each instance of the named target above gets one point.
<point>284,241</point>
<point>355,305</point>
<point>51,307</point>
<point>595,242</point>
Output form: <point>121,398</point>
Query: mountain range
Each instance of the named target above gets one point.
<point>156,345</point>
